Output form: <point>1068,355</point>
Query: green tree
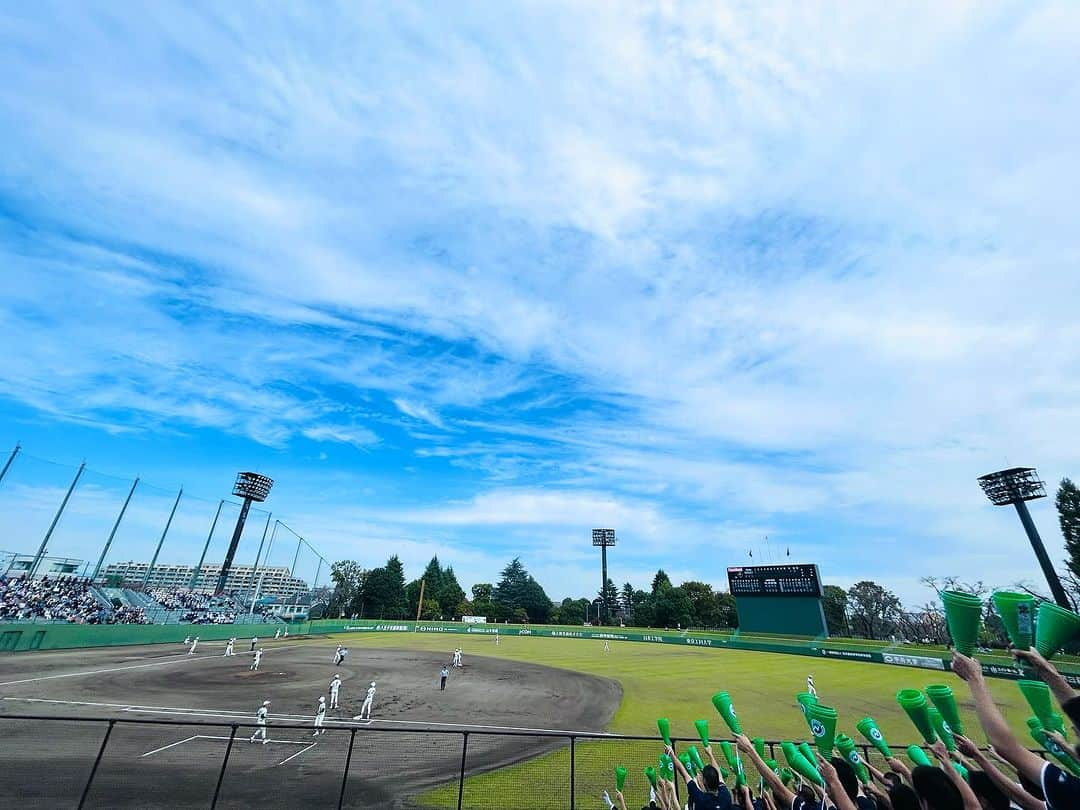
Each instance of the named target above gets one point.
<point>482,605</point>
<point>874,611</point>
<point>626,603</point>
<point>412,597</point>
<point>644,612</point>
<point>348,578</point>
<point>672,608</point>
<point>536,602</point>
<point>834,603</point>
<point>1068,508</point>
<point>383,593</point>
<point>450,593</point>
<point>660,581</point>
<point>482,590</point>
<point>702,604</point>
<point>431,611</point>
<point>572,611</point>
<point>609,596</point>
<point>510,589</point>
<point>726,614</point>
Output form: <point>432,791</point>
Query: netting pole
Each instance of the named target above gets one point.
<point>168,523</point>
<point>269,548</point>
<point>11,458</point>
<point>112,534</point>
<point>348,762</point>
<point>296,556</point>
<point>213,525</point>
<point>461,772</point>
<point>572,768</point>
<point>224,764</point>
<point>97,762</point>
<point>52,526</point>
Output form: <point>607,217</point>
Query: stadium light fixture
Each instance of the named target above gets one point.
<point>253,488</point>
<point>603,538</point>
<point>1016,486</point>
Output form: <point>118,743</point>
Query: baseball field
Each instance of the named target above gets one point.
<point>412,751</point>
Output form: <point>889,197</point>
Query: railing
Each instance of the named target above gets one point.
<point>130,762</point>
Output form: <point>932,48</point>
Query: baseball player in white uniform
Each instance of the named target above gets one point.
<point>255,659</point>
<point>194,644</point>
<point>810,685</point>
<point>368,700</point>
<point>320,715</point>
<point>229,647</point>
<point>335,685</point>
<point>277,634</point>
<point>260,721</point>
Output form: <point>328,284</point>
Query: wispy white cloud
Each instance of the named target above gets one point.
<point>807,270</point>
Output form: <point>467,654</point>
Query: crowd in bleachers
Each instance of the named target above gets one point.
<point>180,598</point>
<point>65,599</point>
<point>127,614</point>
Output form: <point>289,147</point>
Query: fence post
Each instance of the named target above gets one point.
<point>224,764</point>
<point>348,762</point>
<point>461,773</point>
<point>93,771</point>
<point>572,740</point>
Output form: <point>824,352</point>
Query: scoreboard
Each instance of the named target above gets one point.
<point>775,580</point>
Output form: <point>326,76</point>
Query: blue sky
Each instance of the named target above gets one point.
<point>471,283</point>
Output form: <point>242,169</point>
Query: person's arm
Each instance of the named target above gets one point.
<point>712,758</point>
<point>997,730</point>
<point>941,753</point>
<point>1046,671</point>
<point>1016,794</point>
<point>880,796</point>
<point>679,767</point>
<point>673,795</point>
<point>767,800</point>
<point>835,788</point>
<point>622,801</point>
<point>745,801</point>
<point>898,767</point>
<point>784,796</point>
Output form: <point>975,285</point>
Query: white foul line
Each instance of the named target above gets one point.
<point>175,660</point>
<point>232,714</point>
<point>298,753</point>
<point>97,671</point>
<point>170,745</point>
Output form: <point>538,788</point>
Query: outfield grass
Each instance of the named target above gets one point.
<point>677,682</point>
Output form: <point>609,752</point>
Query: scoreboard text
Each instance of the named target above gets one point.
<point>775,580</point>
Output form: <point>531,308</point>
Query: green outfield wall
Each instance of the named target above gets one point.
<point>23,637</point>
<point>26,637</point>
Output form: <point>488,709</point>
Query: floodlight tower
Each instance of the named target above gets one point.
<point>1015,486</point>
<point>603,538</point>
<point>252,487</point>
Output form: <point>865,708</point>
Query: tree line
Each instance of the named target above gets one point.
<point>867,609</point>
<point>384,593</point>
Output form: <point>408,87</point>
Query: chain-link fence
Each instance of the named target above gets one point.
<point>137,763</point>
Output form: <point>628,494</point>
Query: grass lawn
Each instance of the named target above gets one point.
<point>677,682</point>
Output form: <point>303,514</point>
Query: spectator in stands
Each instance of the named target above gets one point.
<point>67,599</point>
<point>1061,790</point>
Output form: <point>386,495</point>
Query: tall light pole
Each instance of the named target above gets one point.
<point>1015,486</point>
<point>253,488</point>
<point>603,538</point>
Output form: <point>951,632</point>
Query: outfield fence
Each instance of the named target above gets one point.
<point>132,762</point>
